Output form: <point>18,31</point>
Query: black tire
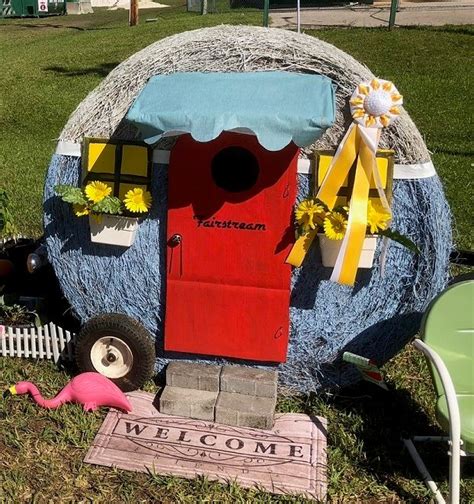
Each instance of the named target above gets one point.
<point>126,334</point>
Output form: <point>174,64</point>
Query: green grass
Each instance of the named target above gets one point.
<point>48,67</point>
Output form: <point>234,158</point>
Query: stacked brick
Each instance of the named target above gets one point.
<point>231,395</point>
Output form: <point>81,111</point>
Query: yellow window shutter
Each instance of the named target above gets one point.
<point>100,158</point>
<point>323,161</point>
<point>134,161</point>
<point>122,166</point>
<point>384,161</point>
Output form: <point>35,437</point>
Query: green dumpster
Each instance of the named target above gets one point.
<point>31,8</point>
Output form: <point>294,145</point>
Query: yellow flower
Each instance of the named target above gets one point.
<point>309,214</point>
<point>137,200</point>
<point>335,225</point>
<point>80,210</point>
<point>96,191</point>
<point>378,218</point>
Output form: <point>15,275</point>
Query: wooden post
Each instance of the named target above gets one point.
<point>204,7</point>
<point>133,16</point>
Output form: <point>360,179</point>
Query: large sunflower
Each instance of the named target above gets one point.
<point>137,200</point>
<point>375,104</point>
<point>309,214</point>
<point>378,218</point>
<point>335,225</point>
<point>96,191</point>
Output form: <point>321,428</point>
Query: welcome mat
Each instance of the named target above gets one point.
<point>290,458</point>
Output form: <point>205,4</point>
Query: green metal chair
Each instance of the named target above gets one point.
<point>447,341</point>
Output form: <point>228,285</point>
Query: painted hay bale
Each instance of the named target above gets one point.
<point>374,319</point>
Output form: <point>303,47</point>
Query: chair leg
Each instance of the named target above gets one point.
<point>454,470</point>
<point>425,474</point>
<point>453,417</point>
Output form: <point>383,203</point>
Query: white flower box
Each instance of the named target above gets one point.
<point>330,251</point>
<point>113,229</point>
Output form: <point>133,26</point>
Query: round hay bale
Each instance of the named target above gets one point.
<point>374,319</point>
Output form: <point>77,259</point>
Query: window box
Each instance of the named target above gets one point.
<point>113,229</point>
<point>330,250</point>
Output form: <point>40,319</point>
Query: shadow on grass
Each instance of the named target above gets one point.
<point>50,25</point>
<point>378,420</point>
<point>101,70</point>
<point>59,26</point>
<point>456,29</point>
<point>452,152</point>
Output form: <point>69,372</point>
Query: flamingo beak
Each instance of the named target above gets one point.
<point>10,391</point>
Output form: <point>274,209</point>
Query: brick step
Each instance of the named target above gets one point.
<point>239,379</point>
<point>232,395</point>
<point>192,403</point>
<point>249,381</point>
<point>193,376</point>
<point>245,411</point>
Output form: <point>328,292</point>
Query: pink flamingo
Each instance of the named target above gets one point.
<point>90,389</point>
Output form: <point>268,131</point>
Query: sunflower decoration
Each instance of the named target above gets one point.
<point>335,225</point>
<point>309,215</point>
<point>96,191</point>
<point>137,200</point>
<point>378,218</point>
<point>96,198</point>
<point>375,104</point>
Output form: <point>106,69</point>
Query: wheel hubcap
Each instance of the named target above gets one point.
<point>111,357</point>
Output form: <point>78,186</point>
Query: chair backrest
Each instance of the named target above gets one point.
<point>448,327</point>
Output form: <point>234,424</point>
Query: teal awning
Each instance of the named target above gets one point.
<point>277,107</point>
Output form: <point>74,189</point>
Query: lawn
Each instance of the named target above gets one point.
<point>48,67</point>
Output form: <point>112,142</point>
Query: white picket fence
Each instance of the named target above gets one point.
<point>49,342</point>
<point>13,238</point>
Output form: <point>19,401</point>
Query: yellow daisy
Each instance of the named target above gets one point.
<point>80,210</point>
<point>137,200</point>
<point>96,191</point>
<point>309,214</point>
<point>375,103</point>
<point>378,218</point>
<point>335,225</point>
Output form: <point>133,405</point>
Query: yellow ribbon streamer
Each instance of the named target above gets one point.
<point>347,262</point>
<point>340,166</point>
<point>354,146</point>
<point>300,248</point>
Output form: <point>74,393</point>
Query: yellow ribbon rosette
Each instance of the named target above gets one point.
<point>374,105</point>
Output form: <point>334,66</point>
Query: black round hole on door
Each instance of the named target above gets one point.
<point>235,169</point>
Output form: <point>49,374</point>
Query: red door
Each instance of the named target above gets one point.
<point>230,229</point>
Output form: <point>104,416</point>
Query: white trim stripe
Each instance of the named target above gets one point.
<point>414,171</point>
<point>68,149</point>
<point>400,171</point>
<point>305,166</point>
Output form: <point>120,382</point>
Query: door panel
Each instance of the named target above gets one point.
<point>228,286</point>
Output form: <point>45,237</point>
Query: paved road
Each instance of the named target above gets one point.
<point>456,12</point>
